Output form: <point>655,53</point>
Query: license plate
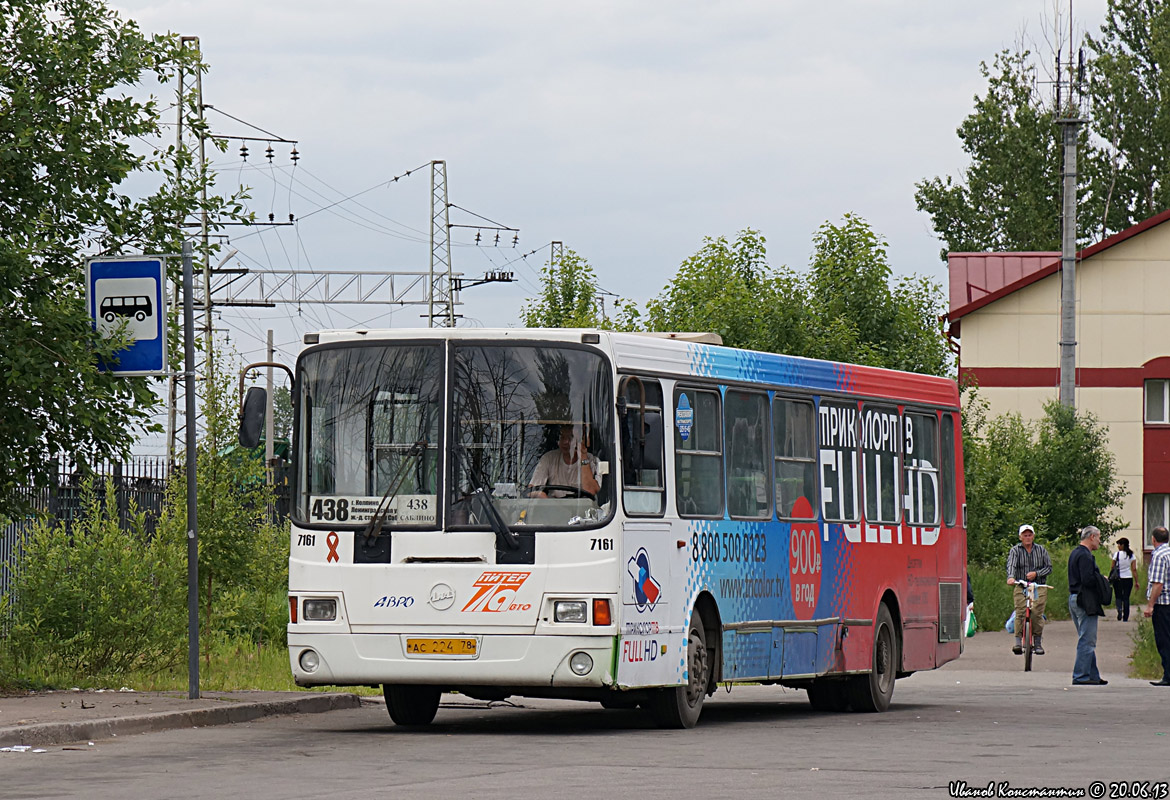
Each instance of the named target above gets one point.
<point>441,647</point>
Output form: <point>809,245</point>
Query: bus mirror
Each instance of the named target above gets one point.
<point>652,452</point>
<point>252,416</point>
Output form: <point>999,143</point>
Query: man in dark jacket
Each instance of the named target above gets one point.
<point>1084,604</point>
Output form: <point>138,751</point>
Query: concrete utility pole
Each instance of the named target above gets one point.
<point>1068,267</point>
<point>1070,127</point>
<point>269,423</point>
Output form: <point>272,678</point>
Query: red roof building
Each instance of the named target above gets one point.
<point>1005,314</point>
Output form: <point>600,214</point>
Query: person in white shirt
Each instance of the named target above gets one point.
<point>570,466</point>
<point>1128,579</point>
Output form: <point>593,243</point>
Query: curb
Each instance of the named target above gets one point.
<point>51,733</point>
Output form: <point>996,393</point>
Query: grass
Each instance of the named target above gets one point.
<point>231,665</point>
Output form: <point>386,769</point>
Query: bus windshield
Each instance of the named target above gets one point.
<point>533,431</point>
<point>363,413</point>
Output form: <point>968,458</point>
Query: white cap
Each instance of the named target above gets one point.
<point>1027,527</point>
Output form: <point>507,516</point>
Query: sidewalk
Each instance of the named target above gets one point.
<point>991,650</point>
<point>49,718</point>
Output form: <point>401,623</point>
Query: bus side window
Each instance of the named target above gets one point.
<point>881,449</point>
<point>746,433</point>
<point>796,474</point>
<point>920,469</point>
<point>698,452</point>
<point>837,461</point>
<point>640,414</point>
<point>947,463</point>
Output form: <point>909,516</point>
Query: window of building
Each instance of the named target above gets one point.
<point>698,452</point>
<point>1158,401</point>
<point>746,433</point>
<point>793,435</point>
<point>1157,513</point>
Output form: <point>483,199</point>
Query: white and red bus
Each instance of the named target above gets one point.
<point>745,517</point>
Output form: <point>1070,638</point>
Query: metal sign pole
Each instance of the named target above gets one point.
<point>192,517</point>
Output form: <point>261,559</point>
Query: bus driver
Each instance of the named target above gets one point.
<point>570,465</point>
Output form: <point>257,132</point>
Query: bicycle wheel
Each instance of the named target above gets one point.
<point>1027,638</point>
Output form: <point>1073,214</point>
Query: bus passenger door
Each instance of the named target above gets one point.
<point>648,635</point>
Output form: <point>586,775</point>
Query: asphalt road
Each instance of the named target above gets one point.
<point>754,742</point>
<point>980,719</point>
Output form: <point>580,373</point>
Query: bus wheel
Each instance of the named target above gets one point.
<point>828,695</point>
<point>874,691</point>
<point>411,705</point>
<point>680,706</point>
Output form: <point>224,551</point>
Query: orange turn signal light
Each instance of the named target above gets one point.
<point>292,609</point>
<point>601,614</point>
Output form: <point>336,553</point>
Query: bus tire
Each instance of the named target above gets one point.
<point>411,705</point>
<point>828,695</point>
<point>680,706</point>
<point>873,691</point>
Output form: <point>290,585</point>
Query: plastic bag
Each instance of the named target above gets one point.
<point>971,624</point>
<point>1010,625</point>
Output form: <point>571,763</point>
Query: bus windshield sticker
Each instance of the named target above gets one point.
<point>409,509</point>
<point>684,417</point>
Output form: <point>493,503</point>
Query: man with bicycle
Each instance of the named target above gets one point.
<point>1029,562</point>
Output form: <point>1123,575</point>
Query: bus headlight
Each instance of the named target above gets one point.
<point>581,663</point>
<point>570,611</point>
<point>310,661</point>
<point>320,610</point>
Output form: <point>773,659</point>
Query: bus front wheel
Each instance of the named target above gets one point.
<point>680,706</point>
<point>411,705</point>
<point>873,692</point>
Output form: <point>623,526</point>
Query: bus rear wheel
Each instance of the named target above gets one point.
<point>680,706</point>
<point>411,705</point>
<point>874,691</point>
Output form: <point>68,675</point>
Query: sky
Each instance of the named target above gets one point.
<point>629,131</point>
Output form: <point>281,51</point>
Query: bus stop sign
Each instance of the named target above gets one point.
<point>130,292</point>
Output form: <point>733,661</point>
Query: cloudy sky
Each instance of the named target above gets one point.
<point>628,131</point>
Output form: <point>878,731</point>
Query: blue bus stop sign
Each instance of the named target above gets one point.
<point>130,293</point>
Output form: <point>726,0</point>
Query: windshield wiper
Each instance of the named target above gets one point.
<point>495,520</point>
<point>379,519</point>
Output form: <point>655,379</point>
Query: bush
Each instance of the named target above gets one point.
<point>99,600</point>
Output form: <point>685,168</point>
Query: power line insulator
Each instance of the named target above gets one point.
<point>497,244</point>
<point>291,218</point>
<point>271,217</point>
<point>515,240</point>
<point>294,155</point>
<point>268,153</point>
<point>244,151</point>
<point>477,238</point>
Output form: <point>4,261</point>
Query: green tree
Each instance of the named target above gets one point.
<point>70,136</point>
<point>1129,103</point>
<point>1072,473</point>
<point>728,288</point>
<point>1056,473</point>
<point>858,316</point>
<point>569,295</point>
<point>1009,197</point>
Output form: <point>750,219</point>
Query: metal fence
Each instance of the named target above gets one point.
<point>138,485</point>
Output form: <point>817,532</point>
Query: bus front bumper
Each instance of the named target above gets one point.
<point>500,660</point>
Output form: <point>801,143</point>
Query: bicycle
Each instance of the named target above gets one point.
<point>1026,624</point>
